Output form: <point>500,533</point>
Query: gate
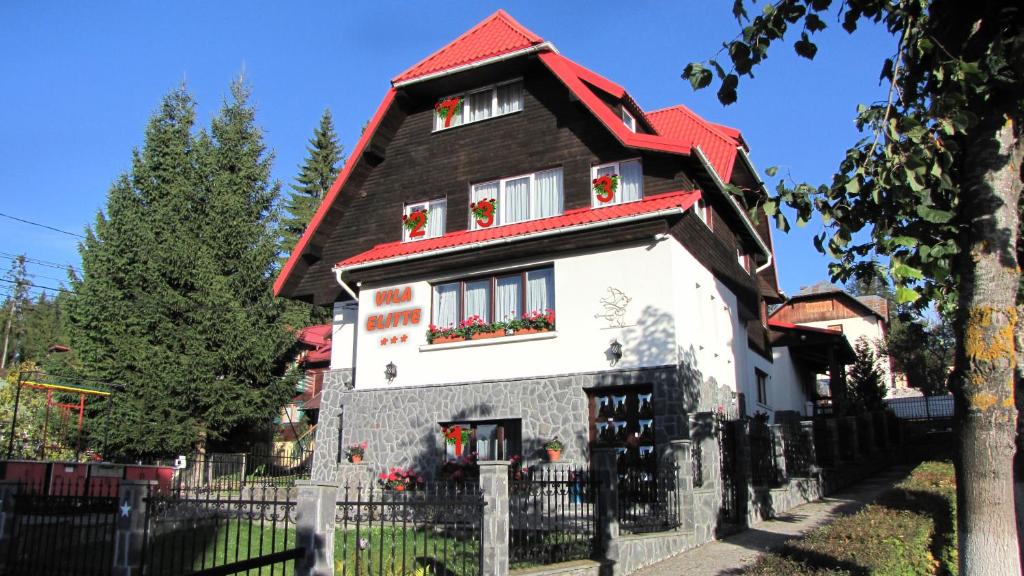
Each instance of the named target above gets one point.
<point>552,516</point>
<point>733,506</point>
<point>63,534</point>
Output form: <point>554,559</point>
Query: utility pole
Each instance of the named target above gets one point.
<point>7,335</point>
<point>14,419</point>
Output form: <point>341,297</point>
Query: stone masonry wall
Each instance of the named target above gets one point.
<point>401,425</point>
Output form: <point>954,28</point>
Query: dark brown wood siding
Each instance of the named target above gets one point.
<point>825,307</point>
<point>420,164</point>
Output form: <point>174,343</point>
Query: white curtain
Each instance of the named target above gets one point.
<point>480,105</point>
<point>507,297</point>
<point>547,193</point>
<point>483,191</point>
<point>540,290</point>
<point>631,181</point>
<point>436,214</point>
<point>515,202</point>
<point>478,300</point>
<point>446,305</point>
<point>510,98</point>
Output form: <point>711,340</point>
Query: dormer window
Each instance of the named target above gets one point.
<point>422,220</point>
<point>627,119</point>
<point>626,184</point>
<point>477,105</point>
<point>701,209</point>
<point>516,199</point>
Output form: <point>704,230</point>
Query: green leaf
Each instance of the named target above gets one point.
<point>727,92</point>
<point>904,271</point>
<point>698,76</point>
<point>907,241</point>
<point>933,215</point>
<point>906,295</point>
<point>804,47</point>
<point>781,223</point>
<point>771,171</point>
<point>813,23</point>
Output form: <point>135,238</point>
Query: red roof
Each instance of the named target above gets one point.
<point>319,338</point>
<point>680,201</point>
<point>497,35</point>
<point>717,142</point>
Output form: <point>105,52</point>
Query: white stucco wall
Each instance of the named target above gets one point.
<point>861,326</point>
<point>785,391</point>
<point>578,344</point>
<point>343,335</point>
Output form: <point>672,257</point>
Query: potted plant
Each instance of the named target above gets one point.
<point>400,480</point>
<point>355,452</point>
<point>536,321</point>
<point>554,449</point>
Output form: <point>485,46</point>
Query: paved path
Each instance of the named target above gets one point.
<point>727,556</point>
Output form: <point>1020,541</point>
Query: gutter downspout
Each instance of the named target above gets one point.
<point>346,287</point>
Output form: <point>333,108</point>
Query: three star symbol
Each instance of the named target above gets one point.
<point>394,340</point>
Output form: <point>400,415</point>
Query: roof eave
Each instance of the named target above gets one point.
<point>732,202</point>
<point>542,47</point>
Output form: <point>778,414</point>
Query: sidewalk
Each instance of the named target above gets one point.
<point>727,556</point>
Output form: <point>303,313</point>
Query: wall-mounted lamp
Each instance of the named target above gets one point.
<point>390,371</point>
<point>615,352</point>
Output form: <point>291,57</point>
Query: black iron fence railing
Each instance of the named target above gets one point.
<point>763,471</point>
<point>199,529</point>
<point>922,407</point>
<point>648,500</point>
<point>230,470</point>
<point>433,529</point>
<point>864,434</point>
<point>552,516</point>
<point>847,436</point>
<point>799,450</point>
<point>65,528</point>
<point>733,495</point>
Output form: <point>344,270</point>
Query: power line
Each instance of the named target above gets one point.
<point>46,263</point>
<point>31,285</point>
<point>22,220</point>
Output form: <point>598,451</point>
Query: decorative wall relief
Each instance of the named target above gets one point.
<point>614,306</point>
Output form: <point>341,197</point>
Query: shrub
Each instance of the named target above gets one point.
<point>910,530</point>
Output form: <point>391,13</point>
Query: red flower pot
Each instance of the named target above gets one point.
<point>554,455</point>
<point>399,487</point>
<point>356,459</point>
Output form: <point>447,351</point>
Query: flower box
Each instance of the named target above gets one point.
<point>523,331</point>
<point>486,335</point>
<point>447,339</point>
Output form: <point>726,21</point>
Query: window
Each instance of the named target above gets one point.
<point>623,418</point>
<point>491,440</point>
<point>627,119</point>
<point>484,103</point>
<point>631,182</point>
<point>422,220</point>
<point>494,298</point>
<point>520,198</point>
<point>701,209</point>
<point>762,387</point>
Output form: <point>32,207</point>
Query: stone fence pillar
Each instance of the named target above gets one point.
<point>495,531</point>
<point>779,451</point>
<point>130,531</point>
<point>806,432</point>
<point>314,527</point>
<point>605,467</point>
<point>8,491</point>
<point>682,457</point>
<point>853,435</point>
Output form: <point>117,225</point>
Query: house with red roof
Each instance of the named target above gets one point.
<point>517,250</point>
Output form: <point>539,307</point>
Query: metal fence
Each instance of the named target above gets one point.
<point>65,529</point>
<point>697,462</point>
<point>227,471</point>
<point>648,500</point>
<point>763,471</point>
<point>433,529</point>
<point>194,530</point>
<point>922,407</point>
<point>733,496</point>
<point>799,450</point>
<point>552,516</point>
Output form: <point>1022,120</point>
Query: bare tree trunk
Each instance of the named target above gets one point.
<point>986,357</point>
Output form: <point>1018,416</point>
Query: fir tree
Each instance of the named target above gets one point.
<point>314,180</point>
<point>174,302</point>
<point>866,388</point>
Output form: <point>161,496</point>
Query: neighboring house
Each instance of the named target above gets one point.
<point>824,305</point>
<point>499,180</point>
<point>298,418</point>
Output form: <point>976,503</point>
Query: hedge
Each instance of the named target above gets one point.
<point>910,530</point>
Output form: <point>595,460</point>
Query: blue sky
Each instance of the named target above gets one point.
<point>79,81</point>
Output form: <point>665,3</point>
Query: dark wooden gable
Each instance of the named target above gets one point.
<point>409,162</point>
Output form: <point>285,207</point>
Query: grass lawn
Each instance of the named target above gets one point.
<point>909,531</point>
<point>391,551</point>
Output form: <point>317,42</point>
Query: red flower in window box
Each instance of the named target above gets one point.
<point>415,222</point>
<point>605,187</point>
<point>483,211</point>
<point>447,109</point>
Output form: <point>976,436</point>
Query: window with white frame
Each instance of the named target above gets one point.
<point>627,119</point>
<point>519,198</point>
<point>628,178</point>
<point>477,105</point>
<point>701,209</point>
<point>497,298</point>
<point>422,220</point>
